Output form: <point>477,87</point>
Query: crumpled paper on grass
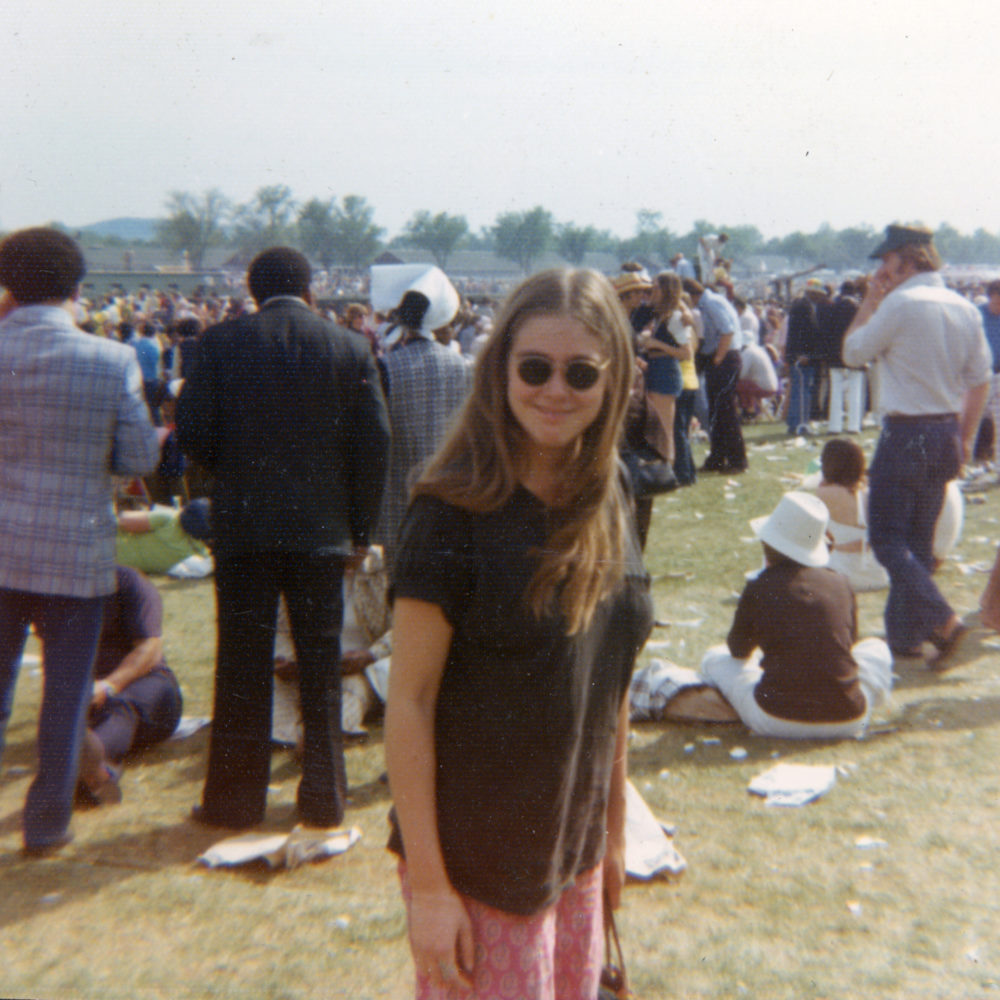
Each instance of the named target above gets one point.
<point>648,850</point>
<point>287,850</point>
<point>788,784</point>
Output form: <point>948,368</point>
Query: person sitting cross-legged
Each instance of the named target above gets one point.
<point>792,666</point>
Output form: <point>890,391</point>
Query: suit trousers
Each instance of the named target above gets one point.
<point>247,587</point>
<point>912,465</point>
<point>69,629</point>
<point>726,450</point>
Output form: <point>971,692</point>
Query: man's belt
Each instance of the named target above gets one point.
<point>921,418</point>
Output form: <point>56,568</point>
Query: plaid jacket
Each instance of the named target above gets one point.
<point>427,385</point>
<point>71,416</point>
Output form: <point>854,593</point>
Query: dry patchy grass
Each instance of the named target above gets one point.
<point>775,903</point>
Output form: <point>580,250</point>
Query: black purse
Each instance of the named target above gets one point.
<point>649,474</point>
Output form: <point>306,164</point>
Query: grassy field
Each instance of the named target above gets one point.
<point>776,903</point>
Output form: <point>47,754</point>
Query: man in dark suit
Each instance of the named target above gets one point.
<point>286,411</point>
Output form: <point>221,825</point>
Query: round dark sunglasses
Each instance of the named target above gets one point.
<point>580,373</point>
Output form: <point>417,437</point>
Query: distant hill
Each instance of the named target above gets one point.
<point>126,229</point>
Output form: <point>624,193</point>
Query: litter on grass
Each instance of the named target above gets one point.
<point>869,842</point>
<point>787,784</point>
<point>288,850</point>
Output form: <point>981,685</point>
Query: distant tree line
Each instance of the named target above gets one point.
<point>342,233</point>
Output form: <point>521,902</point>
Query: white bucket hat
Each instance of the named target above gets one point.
<point>796,528</point>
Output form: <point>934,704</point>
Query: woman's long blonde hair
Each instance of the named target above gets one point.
<point>478,467</point>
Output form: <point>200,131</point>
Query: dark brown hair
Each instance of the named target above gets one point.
<point>40,265</point>
<point>843,463</point>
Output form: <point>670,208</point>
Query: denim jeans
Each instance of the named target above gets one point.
<point>69,628</point>
<point>684,468</point>
<point>802,384</point>
<point>913,463</point>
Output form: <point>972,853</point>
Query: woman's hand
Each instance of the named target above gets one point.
<point>441,937</point>
<point>99,694</point>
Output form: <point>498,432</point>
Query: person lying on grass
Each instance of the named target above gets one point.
<point>792,666</point>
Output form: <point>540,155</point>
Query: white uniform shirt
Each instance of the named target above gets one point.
<point>929,345</point>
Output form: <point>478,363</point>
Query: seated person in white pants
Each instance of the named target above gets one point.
<point>792,666</point>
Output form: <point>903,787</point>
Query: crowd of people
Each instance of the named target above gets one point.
<point>473,458</point>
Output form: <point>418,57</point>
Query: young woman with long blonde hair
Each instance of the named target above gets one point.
<point>520,604</point>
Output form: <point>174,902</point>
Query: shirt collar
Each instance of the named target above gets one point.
<point>275,299</point>
<point>31,314</point>
<point>922,278</point>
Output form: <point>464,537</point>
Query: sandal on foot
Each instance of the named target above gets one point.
<point>946,647</point>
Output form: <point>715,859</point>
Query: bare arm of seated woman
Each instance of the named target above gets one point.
<point>440,930</point>
<point>843,507</point>
<point>135,522</point>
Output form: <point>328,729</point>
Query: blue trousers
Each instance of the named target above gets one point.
<point>247,586</point>
<point>684,468</point>
<point>802,385</point>
<point>69,628</point>
<point>913,464</point>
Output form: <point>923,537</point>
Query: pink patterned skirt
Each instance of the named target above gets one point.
<point>555,954</point>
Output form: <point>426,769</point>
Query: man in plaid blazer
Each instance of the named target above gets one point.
<point>72,415</point>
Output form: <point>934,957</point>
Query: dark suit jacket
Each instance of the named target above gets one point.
<point>286,410</point>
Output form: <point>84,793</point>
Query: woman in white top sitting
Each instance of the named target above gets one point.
<point>845,494</point>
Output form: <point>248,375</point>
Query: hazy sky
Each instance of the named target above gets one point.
<point>778,113</point>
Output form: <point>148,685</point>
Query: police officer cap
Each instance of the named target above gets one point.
<point>897,236</point>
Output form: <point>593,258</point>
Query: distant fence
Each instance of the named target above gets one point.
<point>97,284</point>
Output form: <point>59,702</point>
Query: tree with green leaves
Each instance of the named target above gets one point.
<point>440,234</point>
<point>194,223</point>
<point>652,244</point>
<point>315,229</point>
<point>523,236</point>
<point>574,241</point>
<point>355,237</point>
<point>265,220</point>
